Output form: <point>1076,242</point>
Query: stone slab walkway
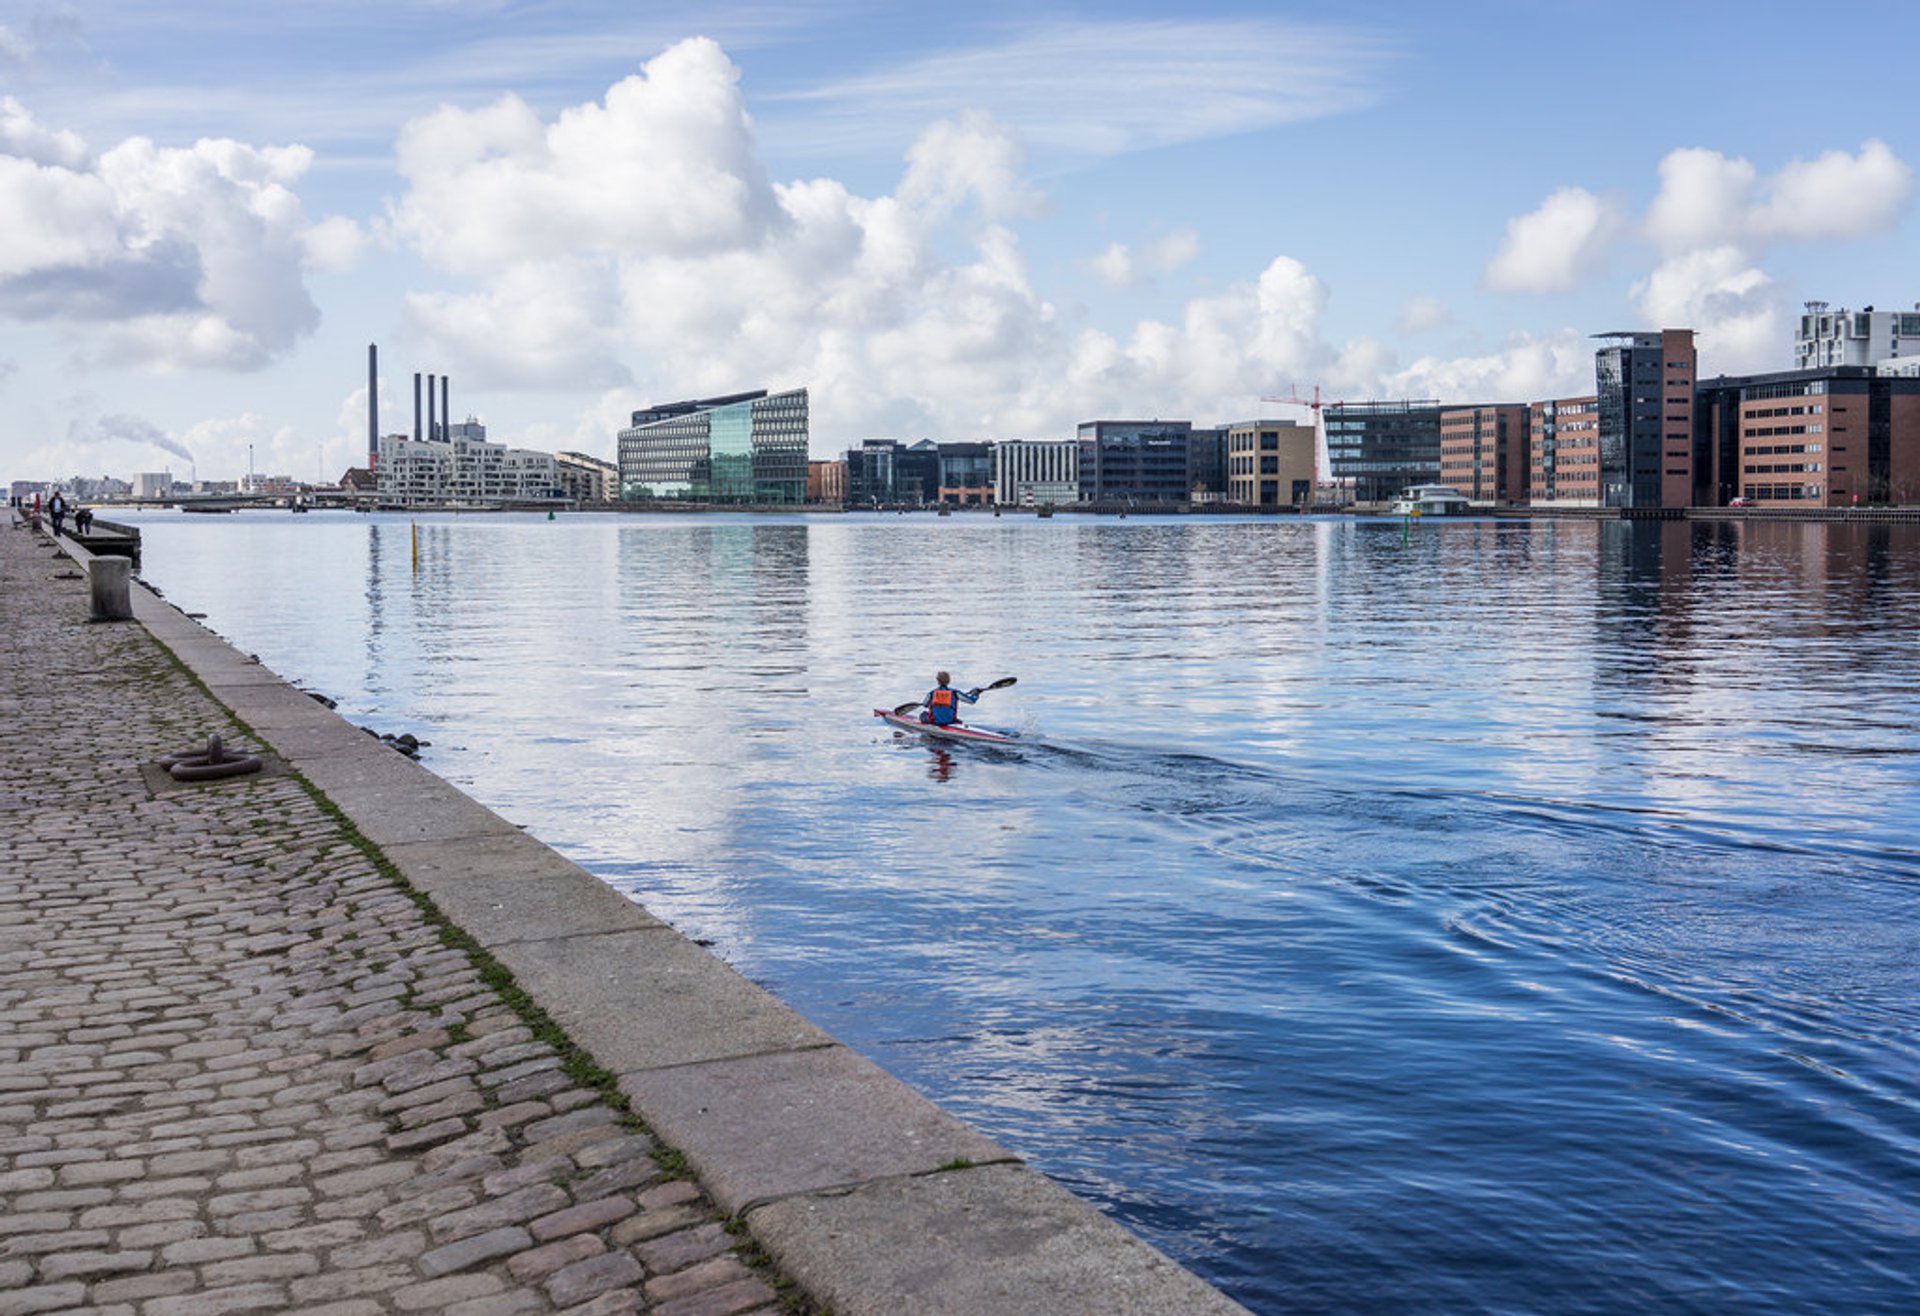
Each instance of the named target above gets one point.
<point>243,1070</point>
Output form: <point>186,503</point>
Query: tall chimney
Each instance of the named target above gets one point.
<point>433,430</point>
<point>446,412</point>
<point>373,406</point>
<point>416,406</point>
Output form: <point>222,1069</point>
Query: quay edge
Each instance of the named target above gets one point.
<point>864,1193</point>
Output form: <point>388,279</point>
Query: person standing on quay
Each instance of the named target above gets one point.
<point>57,509</point>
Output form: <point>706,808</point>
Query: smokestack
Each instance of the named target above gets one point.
<point>416,406</point>
<point>446,413</point>
<point>373,406</point>
<point>433,430</point>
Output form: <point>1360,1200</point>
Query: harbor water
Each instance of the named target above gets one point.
<point>1463,916</point>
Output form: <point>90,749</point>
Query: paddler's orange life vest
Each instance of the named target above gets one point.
<point>944,707</point>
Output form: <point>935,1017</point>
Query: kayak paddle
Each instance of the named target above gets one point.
<point>1001,684</point>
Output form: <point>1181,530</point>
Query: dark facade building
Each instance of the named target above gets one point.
<point>1644,385</point>
<point>1139,460</point>
<point>887,473</point>
<point>741,448</point>
<point>966,474</point>
<point>1207,465</point>
<point>1383,448</point>
<point>1834,436</point>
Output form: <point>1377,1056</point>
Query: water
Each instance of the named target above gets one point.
<point>1493,917</point>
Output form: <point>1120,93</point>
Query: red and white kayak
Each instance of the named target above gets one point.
<point>956,731</point>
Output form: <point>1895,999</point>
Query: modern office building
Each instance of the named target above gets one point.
<point>1865,337</point>
<point>827,482</point>
<point>873,473</point>
<point>741,448</point>
<point>1269,463</point>
<point>1036,474</point>
<point>1207,464</point>
<point>966,474</point>
<point>1135,460</point>
<point>587,479</point>
<point>1834,436</point>
<point>1644,385</point>
<point>466,471</point>
<point>1564,453</point>
<point>1485,452</point>
<point>1383,449</point>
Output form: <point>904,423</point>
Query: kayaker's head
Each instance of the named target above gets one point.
<point>941,678</point>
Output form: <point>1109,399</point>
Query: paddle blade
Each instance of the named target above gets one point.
<point>1001,684</point>
<point>906,708</point>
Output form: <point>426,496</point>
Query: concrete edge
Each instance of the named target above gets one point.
<point>867,1194</point>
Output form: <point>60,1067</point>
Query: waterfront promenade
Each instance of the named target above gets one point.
<point>333,1038</point>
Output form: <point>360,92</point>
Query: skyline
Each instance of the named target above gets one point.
<point>988,225</point>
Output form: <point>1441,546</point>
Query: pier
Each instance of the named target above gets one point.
<point>332,1036</point>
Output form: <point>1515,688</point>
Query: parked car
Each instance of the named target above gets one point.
<point>1740,502</point>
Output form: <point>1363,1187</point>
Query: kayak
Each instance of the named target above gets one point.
<point>957,731</point>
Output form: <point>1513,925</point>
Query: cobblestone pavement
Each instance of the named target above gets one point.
<point>242,1070</point>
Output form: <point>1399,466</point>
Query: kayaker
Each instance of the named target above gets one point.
<point>943,701</point>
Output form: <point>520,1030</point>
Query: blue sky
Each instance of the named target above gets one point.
<point>981,221</point>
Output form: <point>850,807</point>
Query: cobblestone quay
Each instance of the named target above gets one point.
<point>334,1038</point>
<point>242,1070</point>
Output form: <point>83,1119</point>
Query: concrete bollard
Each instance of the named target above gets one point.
<point>109,578</point>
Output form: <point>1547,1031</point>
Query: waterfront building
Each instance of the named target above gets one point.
<point>872,473</point>
<point>153,484</point>
<point>1857,338</point>
<point>1207,464</point>
<point>1834,436</point>
<point>1030,473</point>
<point>464,471</point>
<point>1144,460</point>
<point>827,482</point>
<point>1382,449</point>
<point>740,448</point>
<point>1485,452</point>
<point>1269,463</point>
<point>1644,385</point>
<point>586,479</point>
<point>966,474</point>
<point>1564,453</point>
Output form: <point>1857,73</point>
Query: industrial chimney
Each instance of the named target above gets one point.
<point>446,414</point>
<point>433,430</point>
<point>373,406</point>
<point>416,406</point>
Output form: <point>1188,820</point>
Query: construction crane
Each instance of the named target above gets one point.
<point>1323,465</point>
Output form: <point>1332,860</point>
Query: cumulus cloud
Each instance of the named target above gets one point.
<point>1552,248</point>
<point>1714,219</point>
<point>172,257</point>
<point>1122,266</point>
<point>1731,304</point>
<point>1527,368</point>
<point>1709,200</point>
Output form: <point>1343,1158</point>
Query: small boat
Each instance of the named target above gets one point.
<point>955,731</point>
<point>1431,500</point>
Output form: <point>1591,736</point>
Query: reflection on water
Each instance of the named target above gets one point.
<point>1499,916</point>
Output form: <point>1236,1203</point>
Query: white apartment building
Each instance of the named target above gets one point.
<point>1866,337</point>
<point>1036,474</point>
<point>464,470</point>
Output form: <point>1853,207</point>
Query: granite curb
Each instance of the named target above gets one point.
<point>868,1195</point>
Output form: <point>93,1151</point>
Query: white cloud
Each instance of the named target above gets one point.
<point>172,257</point>
<point>1551,248</point>
<point>1106,87</point>
<point>1526,369</point>
<point>1422,314</point>
<point>1731,304</point>
<point>1121,266</point>
<point>1709,200</point>
<point>1836,196</point>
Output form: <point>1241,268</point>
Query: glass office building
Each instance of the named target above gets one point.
<point>744,448</point>
<point>1382,449</point>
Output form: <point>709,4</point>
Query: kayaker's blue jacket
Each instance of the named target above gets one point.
<point>943,704</point>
